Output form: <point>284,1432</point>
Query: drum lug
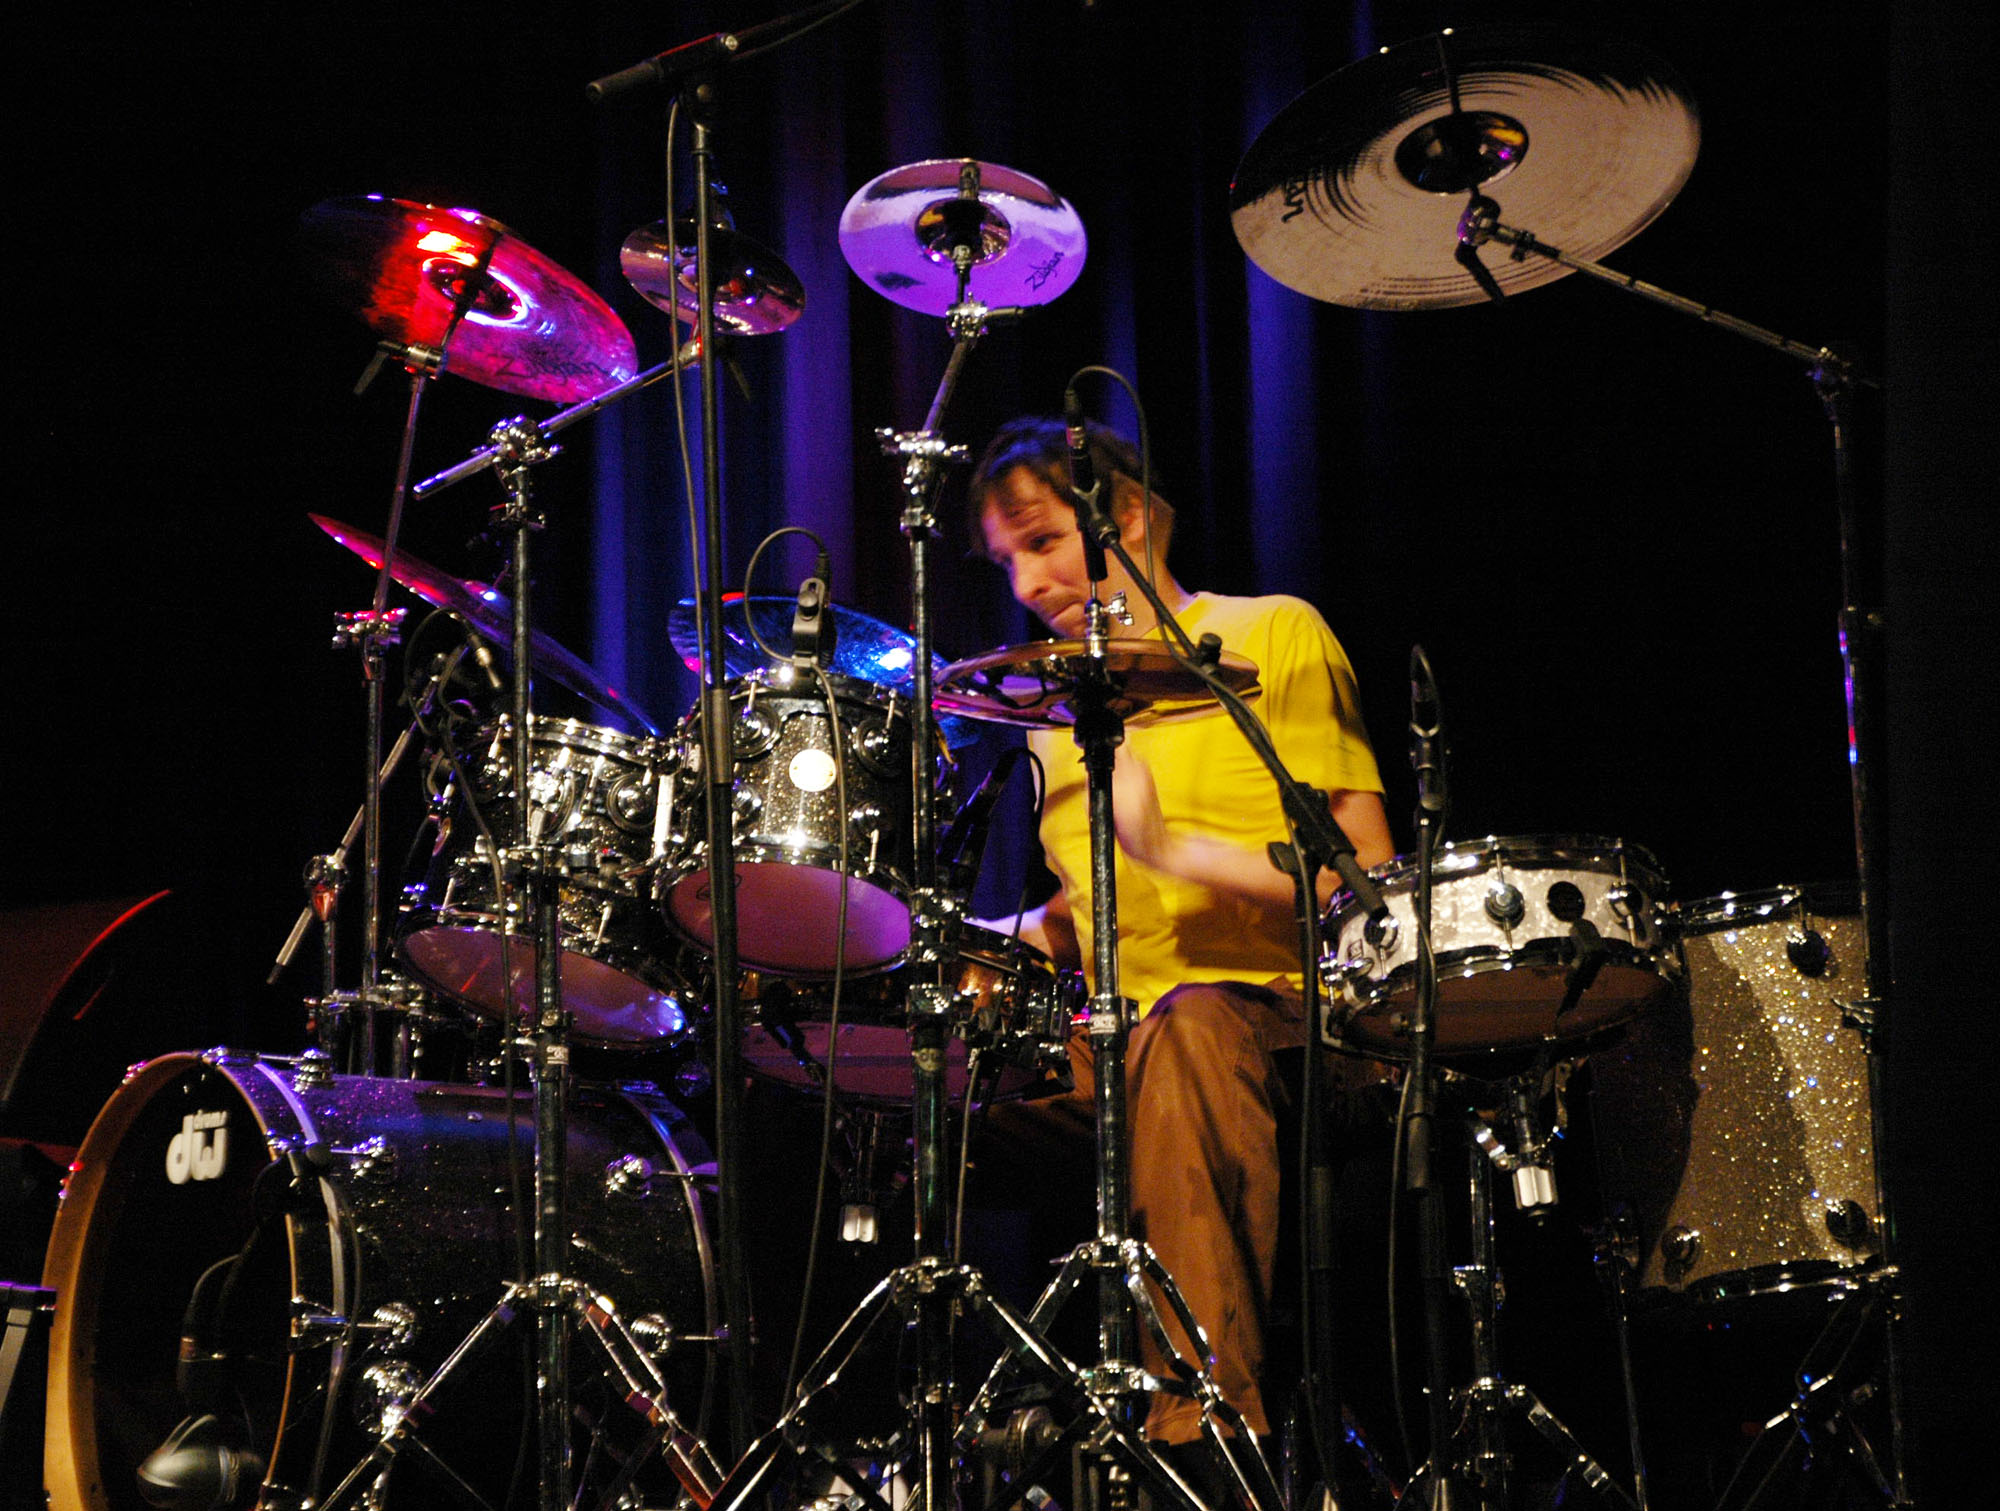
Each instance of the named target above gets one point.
<point>1505,905</point>
<point>383,1395</point>
<point>1680,1248</point>
<point>313,1071</point>
<point>1849,1224</point>
<point>629,1177</point>
<point>372,1161</point>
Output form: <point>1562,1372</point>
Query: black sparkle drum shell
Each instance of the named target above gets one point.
<point>785,795</point>
<point>411,1215</point>
<point>606,805</point>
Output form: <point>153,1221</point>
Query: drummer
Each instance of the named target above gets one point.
<point>1208,945</point>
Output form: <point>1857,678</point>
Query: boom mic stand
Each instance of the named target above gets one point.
<point>1834,379</point>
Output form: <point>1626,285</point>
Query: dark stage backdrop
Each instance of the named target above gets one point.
<point>1612,528</point>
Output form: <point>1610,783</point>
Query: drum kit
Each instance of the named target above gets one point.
<point>766,878</point>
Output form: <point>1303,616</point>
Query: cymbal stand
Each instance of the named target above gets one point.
<point>559,1302</point>
<point>1834,380</point>
<point>1112,1413</point>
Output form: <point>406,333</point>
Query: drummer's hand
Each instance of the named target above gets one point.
<point>1135,802</point>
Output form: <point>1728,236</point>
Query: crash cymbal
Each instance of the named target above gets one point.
<point>897,234</point>
<point>1034,686</point>
<point>1353,193</point>
<point>864,648</point>
<point>489,612</point>
<point>533,330</point>
<point>755,293</point>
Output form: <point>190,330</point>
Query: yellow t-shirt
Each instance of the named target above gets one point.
<point>1172,931</point>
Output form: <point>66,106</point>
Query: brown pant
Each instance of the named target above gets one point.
<point>1204,1097</point>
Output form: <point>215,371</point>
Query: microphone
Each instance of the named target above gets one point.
<point>1085,486</point>
<point>813,631</point>
<point>964,841</point>
<point>713,51</point>
<point>1427,750</point>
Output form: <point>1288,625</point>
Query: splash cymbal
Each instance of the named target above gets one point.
<point>490,613</point>
<point>1353,193</point>
<point>898,230</point>
<point>756,294</point>
<point>1034,686</point>
<point>532,329</point>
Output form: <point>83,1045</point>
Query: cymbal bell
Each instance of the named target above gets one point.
<point>489,612</point>
<point>899,230</point>
<point>1352,194</point>
<point>1035,685</point>
<point>532,329</point>
<point>756,294</point>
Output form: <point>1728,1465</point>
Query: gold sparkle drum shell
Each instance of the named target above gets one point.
<point>1739,1129</point>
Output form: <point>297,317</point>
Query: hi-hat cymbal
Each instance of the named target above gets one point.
<point>898,230</point>
<point>491,615</point>
<point>532,330</point>
<point>1034,686</point>
<point>1353,193</point>
<point>755,292</point>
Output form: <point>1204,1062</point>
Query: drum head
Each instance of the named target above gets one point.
<point>788,918</point>
<point>400,1223</point>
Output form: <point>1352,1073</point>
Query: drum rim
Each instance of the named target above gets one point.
<point>580,734</point>
<point>74,1267</point>
<point>1519,849</point>
<point>1762,905</point>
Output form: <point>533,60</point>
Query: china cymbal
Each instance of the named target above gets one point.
<point>1033,686</point>
<point>897,233</point>
<point>755,292</point>
<point>489,612</point>
<point>1353,193</point>
<point>532,330</point>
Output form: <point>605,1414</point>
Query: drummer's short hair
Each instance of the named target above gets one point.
<point>1041,444</point>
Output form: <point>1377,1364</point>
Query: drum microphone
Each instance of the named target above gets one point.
<point>1427,750</point>
<point>964,842</point>
<point>1084,484</point>
<point>813,631</point>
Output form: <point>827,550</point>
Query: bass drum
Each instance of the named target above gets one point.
<point>1510,921</point>
<point>397,1243</point>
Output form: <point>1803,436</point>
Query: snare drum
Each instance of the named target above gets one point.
<point>384,1265</point>
<point>604,803</point>
<point>1010,1003</point>
<point>1507,916</point>
<point>785,795</point>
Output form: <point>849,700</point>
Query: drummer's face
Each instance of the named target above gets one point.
<point>1031,532</point>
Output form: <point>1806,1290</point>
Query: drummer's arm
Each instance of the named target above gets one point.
<point>1048,928</point>
<point>1223,866</point>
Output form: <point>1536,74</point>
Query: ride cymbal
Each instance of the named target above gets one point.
<point>490,613</point>
<point>531,328</point>
<point>1353,193</point>
<point>898,232</point>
